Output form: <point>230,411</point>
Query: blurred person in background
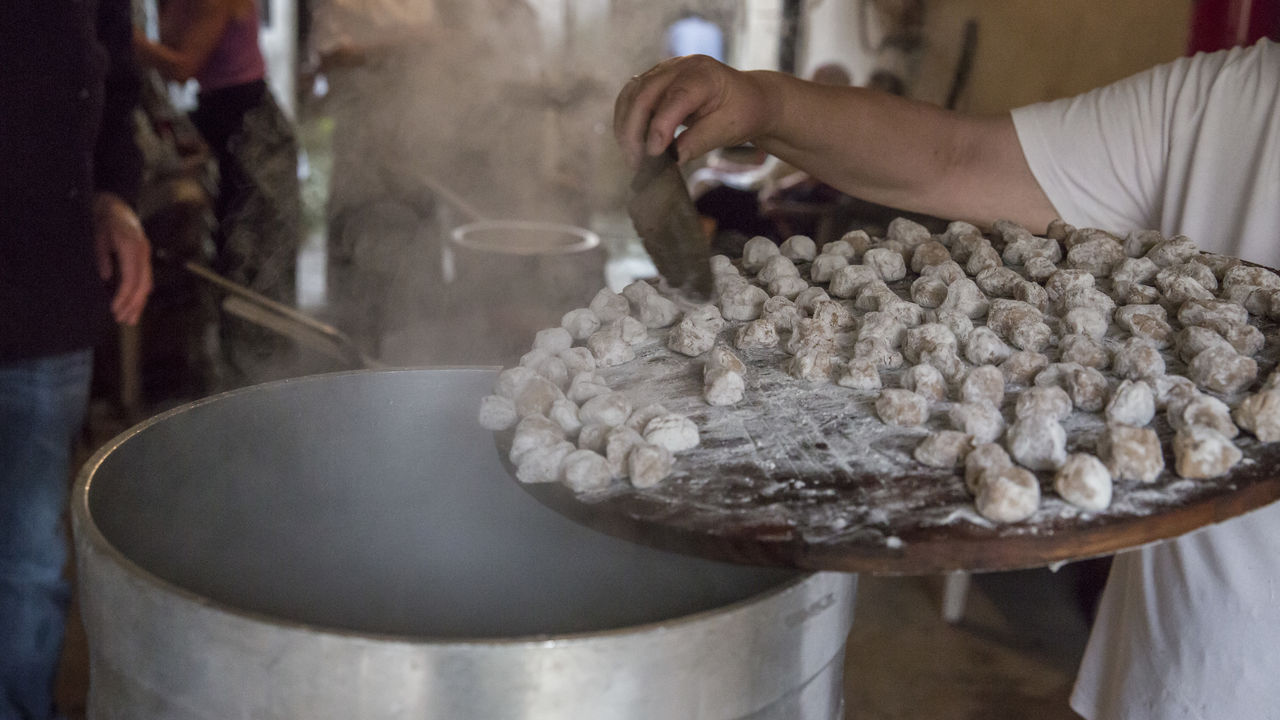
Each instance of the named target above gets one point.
<point>69,175</point>
<point>259,207</point>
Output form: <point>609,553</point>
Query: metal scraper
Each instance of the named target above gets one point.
<point>665,218</point>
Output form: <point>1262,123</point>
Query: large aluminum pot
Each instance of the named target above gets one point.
<point>349,547</point>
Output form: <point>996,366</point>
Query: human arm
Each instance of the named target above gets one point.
<point>872,145</point>
<point>118,234</point>
<point>181,58</point>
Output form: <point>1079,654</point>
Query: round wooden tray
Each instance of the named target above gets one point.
<point>807,476</point>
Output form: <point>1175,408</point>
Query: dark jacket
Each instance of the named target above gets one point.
<point>68,87</point>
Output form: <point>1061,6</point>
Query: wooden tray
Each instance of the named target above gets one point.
<point>807,476</point>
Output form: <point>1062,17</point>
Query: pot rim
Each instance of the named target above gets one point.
<point>85,525</point>
<point>587,239</point>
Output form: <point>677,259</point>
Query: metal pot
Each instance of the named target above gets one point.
<point>349,547</point>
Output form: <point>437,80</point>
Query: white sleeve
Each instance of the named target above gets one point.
<point>1102,157</point>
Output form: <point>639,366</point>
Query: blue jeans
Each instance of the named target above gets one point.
<point>42,406</point>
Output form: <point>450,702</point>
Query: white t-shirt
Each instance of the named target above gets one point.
<point>1188,628</point>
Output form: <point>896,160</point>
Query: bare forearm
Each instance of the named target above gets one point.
<point>903,153</point>
<point>170,63</point>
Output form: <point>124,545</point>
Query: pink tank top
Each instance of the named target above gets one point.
<point>236,59</point>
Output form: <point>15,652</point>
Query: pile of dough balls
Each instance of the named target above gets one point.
<point>571,427</point>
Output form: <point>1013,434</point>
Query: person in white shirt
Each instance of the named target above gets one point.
<point>1189,628</point>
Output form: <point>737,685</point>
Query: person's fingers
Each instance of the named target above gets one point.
<point>134,256</point>
<point>635,106</point>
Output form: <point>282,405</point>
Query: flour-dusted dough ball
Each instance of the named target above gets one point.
<point>1135,271</point>
<point>835,317</point>
<point>1155,332</point>
<point>945,449</point>
<point>512,381</point>
<point>656,311</point>
<point>1063,281</point>
<point>533,432</point>
<point>544,464</point>
<point>1132,403</point>
<point>983,458</point>
<point>810,365</point>
<point>756,334</point>
<point>594,437</point>
<point>877,350</point>
<point>553,340</point>
<point>708,316</point>
<point>964,297</point>
<point>998,282</point>
<point>928,292</point>
<point>813,335</point>
<point>1021,367</point>
<point>649,465</point>
<point>673,432</point>
<point>723,387</point>
<point>958,323</point>
<point>1246,340</point>
<point>609,349</point>
<point>610,409</point>
<point>618,447</point>
<point>1040,269</point>
<point>1182,289</point>
<point>743,302</point>
<point>1222,370</point>
<point>860,374</point>
<point>564,412</point>
<point>957,229</point>
<point>947,272</point>
<point>690,338</point>
<point>1191,341</point>
<point>586,385</point>
<point>799,247</point>
<point>1083,350</point>
<point>907,232</point>
<point>1174,251</point>
<point>1200,452</point>
<point>982,421</point>
<point>984,384</point>
<point>1084,481</point>
<point>984,258</point>
<point>985,347</point>
<point>632,331</point>
<point>1204,410</point>
<point>641,417</point>
<point>1085,298</point>
<point>1249,275</point>
<point>1194,270</point>
<point>926,341</point>
<point>851,246</point>
<point>1050,402</point>
<point>1027,247</point>
<point>537,397</point>
<point>577,360</point>
<point>875,296</point>
<point>929,254</point>
<point>925,381</point>
<point>1008,495</point>
<point>1087,388</point>
<point>901,407</point>
<point>1259,414</point>
<point>1059,230</point>
<point>784,319</point>
<point>723,283</point>
<point>1167,387</point>
<point>1203,312</point>
<point>1136,359</point>
<point>1131,453</point>
<point>722,264</point>
<point>777,267</point>
<point>756,252</point>
<point>848,281</point>
<point>1038,442</point>
<point>585,470</point>
<point>497,412</point>
<point>1098,256</point>
<point>1219,264</point>
<point>722,357</point>
<point>1085,321</point>
<point>964,247</point>
<point>826,266</point>
<point>609,306</point>
<point>548,366</point>
<point>888,264</point>
<point>1005,316</point>
<point>580,323</point>
<point>1139,242</point>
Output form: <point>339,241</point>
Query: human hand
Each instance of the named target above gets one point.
<point>117,232</point>
<point>718,105</point>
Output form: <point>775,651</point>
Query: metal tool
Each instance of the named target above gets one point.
<point>667,222</point>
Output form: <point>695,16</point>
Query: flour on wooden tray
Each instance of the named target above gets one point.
<point>769,404</point>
